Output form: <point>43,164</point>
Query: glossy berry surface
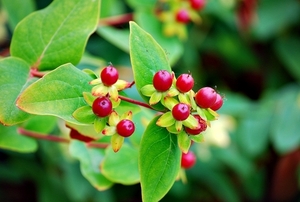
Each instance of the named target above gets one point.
<point>162,80</point>
<point>197,4</point>
<point>181,111</point>
<point>206,97</point>
<point>125,128</point>
<point>218,104</point>
<point>185,83</point>
<point>102,106</point>
<point>188,160</point>
<point>109,75</point>
<point>182,16</point>
<point>202,126</point>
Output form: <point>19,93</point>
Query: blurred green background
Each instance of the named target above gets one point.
<point>249,50</point>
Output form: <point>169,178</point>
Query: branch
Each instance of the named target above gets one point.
<point>41,136</point>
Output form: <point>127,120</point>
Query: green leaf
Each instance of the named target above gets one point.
<point>288,51</point>
<point>12,140</point>
<point>17,10</point>
<point>255,128</point>
<point>171,45</point>
<point>119,38</point>
<point>285,124</point>
<point>14,73</point>
<point>57,34</point>
<point>197,138</point>
<point>84,115</point>
<point>41,124</point>
<point>147,57</point>
<point>59,93</point>
<point>184,142</point>
<point>121,167</point>
<point>159,162</point>
<point>90,159</point>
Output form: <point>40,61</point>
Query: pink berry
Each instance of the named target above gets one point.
<point>202,126</point>
<point>162,80</point>
<point>188,160</point>
<point>206,97</point>
<point>102,106</point>
<point>182,16</point>
<point>218,104</point>
<point>125,128</point>
<point>109,75</point>
<point>197,4</point>
<point>185,83</point>
<point>181,111</point>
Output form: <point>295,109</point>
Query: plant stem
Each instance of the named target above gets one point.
<point>115,20</point>
<point>36,73</point>
<point>37,135</point>
<point>135,102</point>
<point>97,145</point>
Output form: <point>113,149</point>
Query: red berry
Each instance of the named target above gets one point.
<point>109,75</point>
<point>218,104</point>
<point>102,106</point>
<point>185,83</point>
<point>188,160</point>
<point>182,16</point>
<point>74,134</point>
<point>202,126</point>
<point>125,128</point>
<point>162,80</point>
<point>206,97</point>
<point>197,4</point>
<point>181,111</point>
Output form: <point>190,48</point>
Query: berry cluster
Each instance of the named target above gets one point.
<point>188,113</point>
<point>102,102</point>
<point>176,14</point>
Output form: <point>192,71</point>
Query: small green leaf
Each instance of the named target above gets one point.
<point>84,115</point>
<point>57,34</point>
<point>116,142</point>
<point>58,93</point>
<point>12,140</point>
<point>159,162</point>
<point>166,120</point>
<point>121,167</point>
<point>184,142</point>
<point>86,130</point>
<point>197,138</point>
<point>14,74</point>
<point>90,159</point>
<point>89,98</point>
<point>147,57</point>
<point>99,124</point>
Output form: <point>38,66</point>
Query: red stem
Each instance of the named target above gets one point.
<point>36,73</point>
<point>36,135</point>
<point>115,20</point>
<point>97,145</point>
<point>135,102</point>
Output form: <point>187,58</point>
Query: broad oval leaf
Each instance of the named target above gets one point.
<point>147,57</point>
<point>159,162</point>
<point>58,93</point>
<point>90,159</point>
<point>57,34</point>
<point>14,74</point>
<point>10,139</point>
<point>285,124</point>
<point>121,167</point>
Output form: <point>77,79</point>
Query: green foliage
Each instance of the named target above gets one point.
<point>56,51</point>
<point>159,161</point>
<point>57,94</point>
<point>90,159</point>
<point>12,140</point>
<point>13,80</point>
<point>59,36</point>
